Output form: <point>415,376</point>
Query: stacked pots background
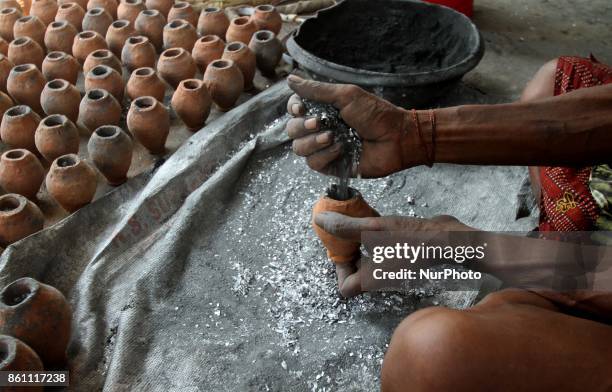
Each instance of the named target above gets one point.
<point>128,55</point>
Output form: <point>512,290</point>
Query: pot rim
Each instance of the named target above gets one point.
<point>23,153</point>
<point>9,10</point>
<point>71,160</point>
<point>137,40</point>
<point>88,34</point>
<point>21,202</point>
<point>269,36</point>
<point>184,83</point>
<point>241,46</point>
<point>166,53</point>
<point>99,132</point>
<point>241,22</point>
<point>148,100</point>
<point>64,84</point>
<point>212,10</point>
<point>96,11</point>
<point>177,24</point>
<point>56,55</point>
<point>217,63</point>
<point>356,196</point>
<point>265,8</point>
<point>104,94</point>
<point>21,41</point>
<point>63,120</point>
<point>179,5</point>
<point>24,110</point>
<point>123,23</point>
<point>58,24</point>
<point>137,73</point>
<point>100,71</point>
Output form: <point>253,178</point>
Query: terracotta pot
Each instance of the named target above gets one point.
<point>109,5</point>
<point>24,50</point>
<point>266,17</point>
<point>268,51</point>
<point>244,58</point>
<point>18,127</point>
<point>150,23</point>
<point>144,81</point>
<point>102,57</point>
<point>14,4</point>
<point>86,42</point>
<point>60,36</point>
<point>183,10</point>
<point>21,173</point>
<point>129,10</point>
<point>30,26</point>
<point>191,101</point>
<point>149,122</point>
<point>8,17</point>
<point>81,3</point>
<point>55,136</point>
<point>98,20</point>
<point>5,103</point>
<point>213,21</point>
<point>15,355</point>
<point>40,316</point>
<point>5,69</point>
<point>241,29</point>
<point>163,6</point>
<point>175,65</point>
<point>106,78</point>
<point>71,181</point>
<point>339,250</point>
<point>179,34</point>
<point>61,97</point>
<point>206,50</point>
<point>59,65</point>
<point>118,32</point>
<point>138,52</point>
<point>110,149</point>
<point>25,84</point>
<point>72,13</point>
<point>98,107</point>
<point>225,83</point>
<point>45,10</point>
<point>19,218</point>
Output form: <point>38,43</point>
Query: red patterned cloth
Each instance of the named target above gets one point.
<point>566,203</point>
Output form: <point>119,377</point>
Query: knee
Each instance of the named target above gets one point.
<point>543,83</point>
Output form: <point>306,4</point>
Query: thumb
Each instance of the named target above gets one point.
<point>345,227</point>
<point>333,94</point>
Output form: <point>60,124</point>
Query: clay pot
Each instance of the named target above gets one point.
<point>179,34</point>
<point>268,51</point>
<point>24,50</point>
<point>30,26</point>
<point>14,4</point>
<point>191,102</point>
<point>45,10</point>
<point>110,149</point>
<point>98,20</point>
<point>241,29</point>
<point>266,17</point>
<point>19,218</point>
<point>129,10</point>
<point>144,81</point>
<point>98,107</point>
<point>40,316</point>
<point>213,21</point>
<point>55,136</point>
<point>149,122</point>
<point>163,6</point>
<point>8,17</point>
<point>71,181</point>
<point>183,10</point>
<point>102,57</point>
<point>150,23</point>
<point>175,65</point>
<point>5,103</point>
<point>71,13</point>
<point>61,97</point>
<point>118,32</point>
<point>15,355</point>
<point>5,69</point>
<point>206,50</point>
<point>109,5</point>
<point>86,42</point>
<point>18,126</point>
<point>59,65</point>
<point>225,83</point>
<point>339,250</point>
<point>138,52</point>
<point>106,78</point>
<point>24,84</point>
<point>244,58</point>
<point>81,3</point>
<point>21,173</point>
<point>60,36</point>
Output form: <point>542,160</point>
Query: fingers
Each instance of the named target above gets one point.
<point>311,144</point>
<point>320,160</point>
<point>336,94</point>
<point>300,127</point>
<point>295,107</point>
<point>349,285</point>
<point>346,227</point>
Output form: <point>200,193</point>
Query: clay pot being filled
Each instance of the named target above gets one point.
<point>244,58</point>
<point>19,218</point>
<point>106,78</point>
<point>25,84</point>
<point>61,97</point>
<point>45,10</point>
<point>5,69</point>
<point>85,43</point>
<point>8,17</point>
<point>225,83</point>
<point>102,57</point>
<point>110,149</point>
<point>179,34</point>
<point>183,10</point>
<point>30,26</point>
<point>5,103</point>
<point>109,6</point>
<point>60,36</point>
<point>138,52</point>
<point>129,10</point>
<point>241,29</point>
<point>150,23</point>
<point>18,126</point>
<point>118,32</point>
<point>149,122</point>
<point>268,51</point>
<point>266,17</point>
<point>15,355</point>
<point>191,102</point>
<point>98,20</point>
<point>163,6</point>
<point>71,13</point>
<point>55,136</point>
<point>98,107</point>
<point>59,65</point>
<point>24,50</point>
<point>213,21</point>
<point>40,316</point>
<point>144,81</point>
<point>71,181</point>
<point>21,172</point>
<point>175,65</point>
<point>206,50</point>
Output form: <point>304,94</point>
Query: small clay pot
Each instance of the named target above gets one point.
<point>129,10</point>
<point>98,107</point>
<point>60,36</point>
<point>18,126</point>
<point>55,136</point>
<point>106,78</point>
<point>71,181</point>
<point>8,17</point>
<point>98,20</point>
<point>5,103</point>
<point>163,6</point>
<point>183,10</point>
<point>59,65</point>
<point>225,83</point>
<point>150,23</point>
<point>268,51</point>
<point>5,69</point>
<point>40,316</point>
<point>72,13</point>
<point>86,42</point>
<point>102,57</point>
<point>179,34</point>
<point>110,149</point>
<point>19,218</point>
<point>241,29</point>
<point>25,84</point>
<point>118,32</point>
<point>109,5</point>
<point>206,50</point>
<point>213,21</point>
<point>144,81</point>
<point>24,50</point>
<point>15,355</point>
<point>30,26</point>
<point>15,4</point>
<point>61,97</point>
<point>191,101</point>
<point>45,10</point>
<point>138,52</point>
<point>244,58</point>
<point>21,173</point>
<point>175,65</point>
<point>149,122</point>
<point>266,17</point>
